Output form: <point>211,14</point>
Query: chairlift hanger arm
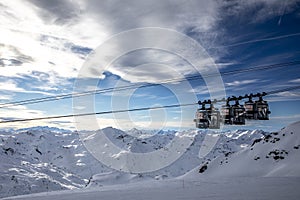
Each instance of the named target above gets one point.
<point>232,98</point>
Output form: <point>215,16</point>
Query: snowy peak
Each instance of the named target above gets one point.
<point>275,154</point>
<point>45,159</point>
<point>44,129</point>
<point>245,134</point>
<point>38,160</point>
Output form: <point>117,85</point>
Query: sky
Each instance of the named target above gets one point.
<point>49,48</point>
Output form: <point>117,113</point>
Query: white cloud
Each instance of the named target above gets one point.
<point>285,96</point>
<point>295,80</point>
<point>37,30</point>
<point>11,86</point>
<point>239,83</point>
<point>40,33</point>
<point>122,15</point>
<point>18,112</point>
<point>5,97</point>
<point>88,23</point>
<point>256,11</point>
<point>40,45</point>
<point>204,90</point>
<point>23,112</point>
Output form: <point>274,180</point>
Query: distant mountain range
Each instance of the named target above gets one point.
<point>46,159</point>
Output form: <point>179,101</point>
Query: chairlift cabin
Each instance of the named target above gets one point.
<point>238,112</point>
<point>250,108</point>
<point>201,117</point>
<point>226,113</point>
<point>214,117</point>
<point>207,117</point>
<point>232,114</point>
<point>262,109</point>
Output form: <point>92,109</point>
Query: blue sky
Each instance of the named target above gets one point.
<point>44,45</point>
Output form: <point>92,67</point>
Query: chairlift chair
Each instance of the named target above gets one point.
<point>226,113</point>
<point>232,114</point>
<point>201,117</point>
<point>238,112</point>
<point>250,108</point>
<point>262,109</point>
<point>207,117</point>
<point>214,117</point>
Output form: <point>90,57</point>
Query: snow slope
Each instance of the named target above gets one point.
<point>42,159</point>
<point>277,155</point>
<point>200,189</point>
<point>46,159</point>
<point>226,143</point>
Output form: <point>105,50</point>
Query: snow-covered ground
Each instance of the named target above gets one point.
<point>242,165</point>
<point>275,155</point>
<point>215,189</point>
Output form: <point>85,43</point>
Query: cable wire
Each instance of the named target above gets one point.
<point>134,86</point>
<point>129,110</point>
<point>283,90</point>
<point>99,113</point>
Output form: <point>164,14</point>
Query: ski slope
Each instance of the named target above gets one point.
<point>246,188</point>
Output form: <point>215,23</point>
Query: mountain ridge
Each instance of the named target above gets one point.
<point>45,159</point>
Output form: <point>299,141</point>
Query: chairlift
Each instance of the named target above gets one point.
<point>238,112</point>
<point>201,117</point>
<point>207,117</point>
<point>250,107</point>
<point>232,114</point>
<point>226,113</point>
<point>214,117</point>
<point>262,109</point>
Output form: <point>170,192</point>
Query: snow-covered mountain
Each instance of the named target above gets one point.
<point>46,159</point>
<point>277,154</point>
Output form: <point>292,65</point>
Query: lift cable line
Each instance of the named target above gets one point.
<point>131,110</point>
<point>134,86</point>
<point>283,90</point>
<point>101,113</point>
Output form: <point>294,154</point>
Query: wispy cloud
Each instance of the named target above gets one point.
<point>285,96</point>
<point>11,86</point>
<point>5,97</point>
<point>256,11</point>
<point>45,43</point>
<point>239,83</point>
<point>259,40</point>
<point>295,80</point>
